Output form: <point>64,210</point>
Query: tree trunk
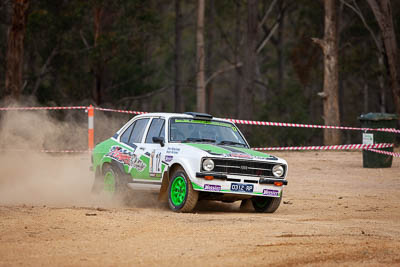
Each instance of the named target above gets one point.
<point>281,45</point>
<point>246,108</point>
<point>178,55</point>
<point>97,64</point>
<point>383,13</point>
<point>381,79</point>
<point>15,49</point>
<point>210,61</point>
<point>238,76</point>
<point>330,94</point>
<point>200,92</point>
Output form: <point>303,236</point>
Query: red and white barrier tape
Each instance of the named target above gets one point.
<point>41,108</point>
<point>120,111</point>
<point>248,122</point>
<point>334,147</point>
<point>393,154</point>
<point>284,124</point>
<point>280,124</point>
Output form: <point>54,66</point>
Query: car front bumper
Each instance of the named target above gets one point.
<point>222,183</point>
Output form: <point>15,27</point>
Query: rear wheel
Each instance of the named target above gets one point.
<point>181,195</point>
<point>266,204</point>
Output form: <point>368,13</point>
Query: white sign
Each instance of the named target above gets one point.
<point>368,139</point>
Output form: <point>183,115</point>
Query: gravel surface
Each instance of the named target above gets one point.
<point>334,212</point>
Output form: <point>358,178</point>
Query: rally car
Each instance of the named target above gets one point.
<point>187,157</point>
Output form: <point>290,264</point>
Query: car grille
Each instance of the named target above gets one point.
<point>244,167</point>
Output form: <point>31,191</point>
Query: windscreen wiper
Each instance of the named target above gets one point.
<point>191,139</point>
<point>226,142</point>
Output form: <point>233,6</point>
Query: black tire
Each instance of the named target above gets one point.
<point>122,193</point>
<point>189,197</point>
<point>245,205</point>
<point>266,204</point>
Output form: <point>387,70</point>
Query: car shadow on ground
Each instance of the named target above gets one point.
<point>147,200</point>
<point>206,206</point>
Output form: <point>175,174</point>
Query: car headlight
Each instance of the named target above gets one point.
<point>278,171</point>
<point>208,165</point>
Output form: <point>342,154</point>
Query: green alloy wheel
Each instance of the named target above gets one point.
<point>181,196</point>
<point>115,184</point>
<point>178,191</point>
<point>266,204</point>
<point>109,182</point>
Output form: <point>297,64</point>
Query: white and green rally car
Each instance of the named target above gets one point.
<point>187,157</point>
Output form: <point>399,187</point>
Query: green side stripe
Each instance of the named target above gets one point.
<point>196,186</point>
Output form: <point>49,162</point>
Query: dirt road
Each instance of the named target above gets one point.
<point>334,212</point>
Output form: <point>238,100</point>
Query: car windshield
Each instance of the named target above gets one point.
<point>192,130</point>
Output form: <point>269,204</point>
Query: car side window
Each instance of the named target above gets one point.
<point>138,131</point>
<point>155,130</point>
<point>125,136</point>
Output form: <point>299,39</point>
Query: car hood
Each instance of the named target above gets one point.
<point>232,152</point>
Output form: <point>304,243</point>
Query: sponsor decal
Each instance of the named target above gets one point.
<point>217,123</point>
<point>137,164</point>
<point>270,192</point>
<point>155,163</point>
<point>126,157</point>
<point>211,187</point>
<point>168,158</point>
<point>173,150</point>
<point>239,155</point>
<point>120,154</point>
<point>224,124</point>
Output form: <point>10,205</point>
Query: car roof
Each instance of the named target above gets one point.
<point>169,115</point>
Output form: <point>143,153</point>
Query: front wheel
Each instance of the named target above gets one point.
<point>266,204</point>
<point>181,195</point>
<point>115,186</point>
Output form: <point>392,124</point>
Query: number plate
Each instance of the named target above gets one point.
<point>246,188</point>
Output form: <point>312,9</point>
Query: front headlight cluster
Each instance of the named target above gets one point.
<point>278,170</point>
<point>208,165</point>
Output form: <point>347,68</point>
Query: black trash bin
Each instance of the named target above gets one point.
<point>378,120</point>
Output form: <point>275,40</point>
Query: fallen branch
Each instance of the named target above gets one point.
<point>218,72</point>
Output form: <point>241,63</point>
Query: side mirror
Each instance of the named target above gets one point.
<point>158,140</point>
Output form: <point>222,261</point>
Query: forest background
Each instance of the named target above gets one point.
<point>256,60</point>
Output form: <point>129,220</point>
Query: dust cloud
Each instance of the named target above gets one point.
<point>29,176</point>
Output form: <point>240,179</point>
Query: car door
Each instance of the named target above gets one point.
<point>155,151</point>
<point>132,138</point>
